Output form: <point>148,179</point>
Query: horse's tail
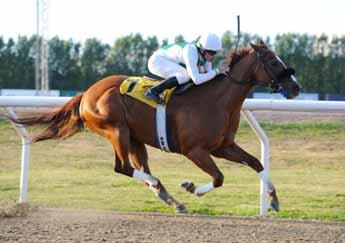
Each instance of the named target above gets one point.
<point>61,123</point>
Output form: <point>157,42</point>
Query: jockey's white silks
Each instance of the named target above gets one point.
<point>166,68</point>
<point>166,61</point>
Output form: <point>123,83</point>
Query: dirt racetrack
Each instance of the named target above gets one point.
<point>65,225</point>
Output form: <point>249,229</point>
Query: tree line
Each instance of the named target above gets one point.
<point>319,60</point>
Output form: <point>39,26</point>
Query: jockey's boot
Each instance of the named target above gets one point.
<point>154,92</point>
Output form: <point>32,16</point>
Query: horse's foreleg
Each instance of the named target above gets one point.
<point>204,161</point>
<point>237,154</point>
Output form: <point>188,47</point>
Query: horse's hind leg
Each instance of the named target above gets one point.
<point>139,159</point>
<point>120,139</point>
<point>138,155</point>
<point>236,154</point>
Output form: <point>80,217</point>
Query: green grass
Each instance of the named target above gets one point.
<point>307,167</point>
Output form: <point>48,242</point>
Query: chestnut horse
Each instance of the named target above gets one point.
<point>202,122</point>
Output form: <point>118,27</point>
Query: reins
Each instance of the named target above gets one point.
<point>274,85</point>
<point>250,81</point>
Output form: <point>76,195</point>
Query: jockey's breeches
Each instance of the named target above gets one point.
<point>165,68</point>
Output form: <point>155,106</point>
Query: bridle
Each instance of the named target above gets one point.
<point>276,83</point>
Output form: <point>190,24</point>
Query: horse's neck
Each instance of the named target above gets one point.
<point>224,92</point>
<point>234,94</point>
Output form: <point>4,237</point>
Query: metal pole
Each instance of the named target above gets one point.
<point>265,151</point>
<point>42,47</point>
<point>25,163</point>
<point>37,51</point>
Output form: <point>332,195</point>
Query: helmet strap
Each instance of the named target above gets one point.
<point>202,53</point>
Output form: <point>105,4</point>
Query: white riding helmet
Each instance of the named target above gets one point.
<point>211,42</point>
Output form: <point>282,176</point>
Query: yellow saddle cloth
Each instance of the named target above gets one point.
<point>136,87</point>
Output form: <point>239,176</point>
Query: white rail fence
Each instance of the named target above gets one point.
<point>8,102</point>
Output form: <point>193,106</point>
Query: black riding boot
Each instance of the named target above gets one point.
<point>154,92</point>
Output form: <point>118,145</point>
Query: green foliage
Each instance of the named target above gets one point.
<point>92,61</point>
<point>130,54</point>
<point>319,60</point>
<point>179,38</point>
<point>64,64</point>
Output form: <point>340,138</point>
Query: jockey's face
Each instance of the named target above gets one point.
<point>209,55</point>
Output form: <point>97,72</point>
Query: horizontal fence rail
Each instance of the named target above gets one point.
<point>249,104</point>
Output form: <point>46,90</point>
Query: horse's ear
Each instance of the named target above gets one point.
<point>262,43</point>
<point>255,47</point>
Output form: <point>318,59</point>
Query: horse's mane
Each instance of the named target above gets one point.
<point>235,57</point>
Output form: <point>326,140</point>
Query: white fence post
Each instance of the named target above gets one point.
<point>265,157</point>
<point>24,174</point>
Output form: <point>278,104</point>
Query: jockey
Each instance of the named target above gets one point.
<point>180,62</point>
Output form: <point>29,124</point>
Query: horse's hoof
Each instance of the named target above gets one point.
<point>275,206</point>
<point>274,201</point>
<point>185,184</point>
<point>181,209</point>
<point>189,186</point>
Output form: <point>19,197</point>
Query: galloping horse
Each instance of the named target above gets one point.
<point>202,122</point>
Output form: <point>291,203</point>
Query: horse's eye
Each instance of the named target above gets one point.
<point>274,63</point>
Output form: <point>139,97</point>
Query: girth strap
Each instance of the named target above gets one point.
<point>162,128</point>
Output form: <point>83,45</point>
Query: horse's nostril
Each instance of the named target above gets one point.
<point>297,88</point>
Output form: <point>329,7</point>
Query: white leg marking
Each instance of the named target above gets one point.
<point>244,163</point>
<point>264,176</point>
<point>145,177</point>
<point>201,190</point>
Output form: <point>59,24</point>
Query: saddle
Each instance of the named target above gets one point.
<point>136,87</point>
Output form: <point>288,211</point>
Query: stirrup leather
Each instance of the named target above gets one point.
<point>155,97</point>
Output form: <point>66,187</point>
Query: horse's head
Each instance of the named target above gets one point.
<point>272,71</point>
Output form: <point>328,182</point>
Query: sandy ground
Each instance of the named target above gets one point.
<point>62,225</point>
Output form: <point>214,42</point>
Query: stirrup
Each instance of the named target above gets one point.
<point>156,98</point>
